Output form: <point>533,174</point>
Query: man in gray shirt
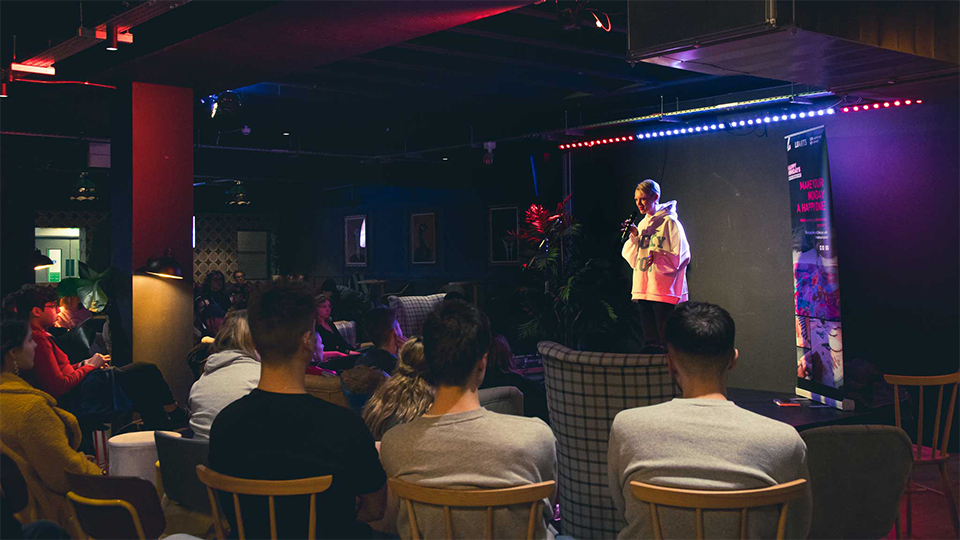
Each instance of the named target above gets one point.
<point>460,445</point>
<point>703,441</point>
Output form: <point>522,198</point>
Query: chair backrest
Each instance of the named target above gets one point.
<point>348,331</point>
<point>268,488</point>
<point>116,507</point>
<point>857,476</point>
<point>179,458</point>
<point>532,494</point>
<point>502,399</point>
<point>780,495</point>
<point>941,381</point>
<point>585,391</point>
<point>412,311</point>
<point>326,388</point>
<point>13,485</point>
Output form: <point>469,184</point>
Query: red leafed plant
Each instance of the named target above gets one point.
<point>569,304</point>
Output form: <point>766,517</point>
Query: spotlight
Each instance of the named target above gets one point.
<point>112,37</point>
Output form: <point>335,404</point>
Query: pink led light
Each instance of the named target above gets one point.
<point>896,103</point>
<point>919,101</point>
<point>876,105</point>
<point>630,137</point>
<point>846,109</point>
<point>886,104</point>
<point>907,102</point>
<point>855,108</point>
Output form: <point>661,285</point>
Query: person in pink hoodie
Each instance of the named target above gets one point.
<point>658,251</point>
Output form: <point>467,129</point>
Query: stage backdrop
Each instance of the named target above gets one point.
<point>816,275</point>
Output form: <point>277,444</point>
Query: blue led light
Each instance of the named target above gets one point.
<point>830,110</point>
<point>683,130</point>
<point>699,128</point>
<point>749,121</point>
<point>766,120</point>
<point>803,115</point>
<point>742,123</point>
<point>776,118</point>
<point>784,117</point>
<point>722,126</point>
<point>819,113</point>
<point>661,134</point>
<point>713,126</point>
<point>676,131</point>
<point>793,116</point>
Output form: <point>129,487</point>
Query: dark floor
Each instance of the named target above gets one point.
<point>931,518</point>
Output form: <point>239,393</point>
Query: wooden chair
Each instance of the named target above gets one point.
<point>532,494</point>
<point>781,495</point>
<point>267,488</point>
<point>116,507</point>
<point>929,455</point>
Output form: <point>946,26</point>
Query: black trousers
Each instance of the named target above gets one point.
<point>146,388</point>
<point>653,317</point>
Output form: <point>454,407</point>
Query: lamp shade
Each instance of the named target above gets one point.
<point>41,261</point>
<point>165,267</point>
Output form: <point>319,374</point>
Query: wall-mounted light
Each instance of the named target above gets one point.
<point>237,195</point>
<point>85,190</point>
<point>165,267</point>
<point>41,261</point>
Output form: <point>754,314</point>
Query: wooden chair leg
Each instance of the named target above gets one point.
<point>951,504</point>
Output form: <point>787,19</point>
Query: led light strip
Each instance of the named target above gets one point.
<point>742,122</point>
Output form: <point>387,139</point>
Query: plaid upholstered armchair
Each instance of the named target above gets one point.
<point>412,311</point>
<point>585,390</point>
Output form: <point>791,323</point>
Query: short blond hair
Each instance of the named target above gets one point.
<point>235,334</point>
<point>650,187</point>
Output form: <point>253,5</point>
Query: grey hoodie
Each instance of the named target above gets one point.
<point>227,377</point>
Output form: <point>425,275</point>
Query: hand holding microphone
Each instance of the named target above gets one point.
<point>629,227</point>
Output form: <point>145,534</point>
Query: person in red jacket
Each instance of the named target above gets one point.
<point>53,373</point>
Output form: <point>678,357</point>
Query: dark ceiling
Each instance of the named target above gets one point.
<point>357,79</point>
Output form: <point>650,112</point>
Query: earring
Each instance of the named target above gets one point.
<point>16,368</point>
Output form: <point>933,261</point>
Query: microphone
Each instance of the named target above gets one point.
<point>632,220</point>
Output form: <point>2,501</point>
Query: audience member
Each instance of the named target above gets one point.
<point>239,291</point>
<point>384,331</point>
<point>499,373</point>
<point>359,383</point>
<point>230,372</point>
<point>703,441</point>
<point>52,372</point>
<point>460,445</point>
<point>347,304</point>
<point>214,290</point>
<point>279,432</point>
<point>40,437</point>
<point>72,312</point>
<point>332,340</point>
<point>404,396</point>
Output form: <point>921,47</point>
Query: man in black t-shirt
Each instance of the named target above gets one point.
<point>279,432</point>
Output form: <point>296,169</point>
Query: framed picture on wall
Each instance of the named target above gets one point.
<point>504,221</point>
<point>423,238</point>
<point>355,240</point>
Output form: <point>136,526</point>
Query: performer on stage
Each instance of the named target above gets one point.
<point>658,252</point>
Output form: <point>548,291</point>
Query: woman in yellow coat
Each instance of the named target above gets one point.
<point>40,437</point>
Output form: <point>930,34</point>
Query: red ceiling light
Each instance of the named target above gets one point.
<point>3,90</point>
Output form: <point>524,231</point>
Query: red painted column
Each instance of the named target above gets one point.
<point>152,212</point>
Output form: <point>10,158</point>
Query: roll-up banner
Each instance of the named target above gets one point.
<point>816,275</point>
